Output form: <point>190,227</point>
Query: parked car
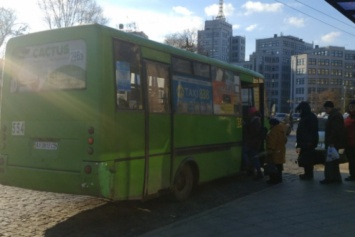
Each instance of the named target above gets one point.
<point>296,116</point>
<point>280,116</point>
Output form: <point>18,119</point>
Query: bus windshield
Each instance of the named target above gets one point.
<point>54,66</point>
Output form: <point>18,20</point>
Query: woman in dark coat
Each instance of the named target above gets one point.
<point>350,140</point>
<point>253,140</point>
<point>334,137</point>
<point>306,139</point>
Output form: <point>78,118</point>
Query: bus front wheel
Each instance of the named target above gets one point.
<point>183,183</point>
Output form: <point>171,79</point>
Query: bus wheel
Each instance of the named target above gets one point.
<point>183,183</point>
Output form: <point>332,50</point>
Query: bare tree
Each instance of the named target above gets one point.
<point>65,13</point>
<point>9,25</point>
<point>317,99</point>
<point>186,40</point>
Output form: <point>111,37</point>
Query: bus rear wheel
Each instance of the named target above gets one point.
<point>183,183</point>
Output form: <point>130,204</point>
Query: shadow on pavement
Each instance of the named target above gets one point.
<point>132,218</point>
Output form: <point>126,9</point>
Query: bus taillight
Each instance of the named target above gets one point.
<point>90,140</point>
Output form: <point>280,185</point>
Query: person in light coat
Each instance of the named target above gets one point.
<point>276,140</point>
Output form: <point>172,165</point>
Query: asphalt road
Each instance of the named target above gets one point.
<point>32,213</point>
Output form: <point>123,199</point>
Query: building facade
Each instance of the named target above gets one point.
<point>272,58</point>
<point>237,49</point>
<point>323,69</point>
<point>217,41</point>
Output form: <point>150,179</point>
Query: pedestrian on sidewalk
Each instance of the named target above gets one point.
<point>306,139</point>
<point>253,140</point>
<point>276,140</point>
<point>334,137</point>
<point>350,140</point>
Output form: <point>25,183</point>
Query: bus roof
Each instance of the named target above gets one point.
<point>155,45</point>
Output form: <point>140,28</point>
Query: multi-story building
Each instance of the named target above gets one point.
<point>272,58</point>
<point>217,40</point>
<point>322,69</point>
<point>237,49</point>
<point>214,40</point>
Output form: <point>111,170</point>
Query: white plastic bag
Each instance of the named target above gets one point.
<point>332,154</point>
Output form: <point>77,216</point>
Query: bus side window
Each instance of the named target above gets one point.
<point>158,87</point>
<point>128,81</point>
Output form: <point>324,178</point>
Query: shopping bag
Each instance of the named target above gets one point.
<point>332,154</point>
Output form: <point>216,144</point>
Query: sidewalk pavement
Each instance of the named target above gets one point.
<point>292,208</point>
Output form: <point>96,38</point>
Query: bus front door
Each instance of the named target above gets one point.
<point>158,128</point>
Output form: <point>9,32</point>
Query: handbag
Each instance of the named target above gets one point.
<point>342,156</point>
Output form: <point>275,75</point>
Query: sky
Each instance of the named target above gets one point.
<point>314,21</point>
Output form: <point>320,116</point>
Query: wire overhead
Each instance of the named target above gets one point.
<point>352,26</point>
<point>347,32</point>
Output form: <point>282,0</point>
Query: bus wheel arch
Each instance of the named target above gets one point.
<point>186,178</point>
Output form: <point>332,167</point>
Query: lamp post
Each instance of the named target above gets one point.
<point>290,103</point>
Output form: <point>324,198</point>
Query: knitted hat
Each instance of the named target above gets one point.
<point>328,104</point>
<point>252,110</point>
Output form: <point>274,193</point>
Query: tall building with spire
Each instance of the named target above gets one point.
<point>217,40</point>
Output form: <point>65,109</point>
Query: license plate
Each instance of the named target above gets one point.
<point>45,145</point>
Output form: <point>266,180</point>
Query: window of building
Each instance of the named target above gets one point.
<point>323,62</point>
<point>311,71</point>
<point>312,61</point>
<point>337,63</point>
<point>299,91</point>
<point>322,71</point>
<point>336,72</point>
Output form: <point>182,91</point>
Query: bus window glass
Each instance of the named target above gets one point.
<point>201,69</point>
<point>247,97</point>
<point>181,66</point>
<point>128,82</point>
<point>55,66</point>
<point>226,92</point>
<point>158,87</point>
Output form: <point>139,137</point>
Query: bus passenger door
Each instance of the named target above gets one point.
<point>158,128</point>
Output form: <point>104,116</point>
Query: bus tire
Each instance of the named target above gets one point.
<point>183,183</point>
